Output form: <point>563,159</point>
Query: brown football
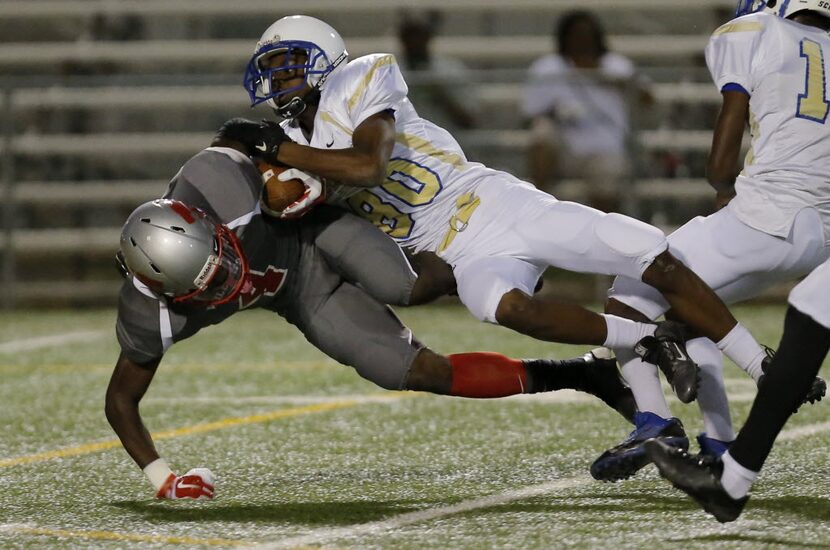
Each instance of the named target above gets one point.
<point>279,194</point>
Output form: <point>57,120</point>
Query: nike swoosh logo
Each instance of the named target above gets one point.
<point>680,354</point>
<point>188,486</point>
<point>261,147</point>
<point>331,143</point>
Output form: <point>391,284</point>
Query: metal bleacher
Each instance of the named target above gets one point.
<point>92,125</point>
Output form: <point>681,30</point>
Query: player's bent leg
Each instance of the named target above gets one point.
<point>692,300</point>
<point>431,372</point>
<point>345,241</point>
<point>356,330</point>
<point>546,318</point>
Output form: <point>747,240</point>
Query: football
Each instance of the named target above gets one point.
<point>279,194</point>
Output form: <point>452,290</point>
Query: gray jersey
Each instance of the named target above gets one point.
<point>298,269</point>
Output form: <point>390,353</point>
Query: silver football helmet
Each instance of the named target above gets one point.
<point>180,252</point>
<point>323,50</point>
<point>782,8</point>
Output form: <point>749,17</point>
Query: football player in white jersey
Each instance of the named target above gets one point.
<point>350,122</point>
<point>722,487</point>
<point>771,65</point>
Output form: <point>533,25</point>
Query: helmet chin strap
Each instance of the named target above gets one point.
<point>296,106</point>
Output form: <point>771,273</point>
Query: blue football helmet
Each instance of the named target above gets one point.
<point>321,50</point>
<point>782,8</point>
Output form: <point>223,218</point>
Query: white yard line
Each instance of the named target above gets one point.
<point>803,431</point>
<point>320,536</point>
<point>31,344</point>
<point>376,527</point>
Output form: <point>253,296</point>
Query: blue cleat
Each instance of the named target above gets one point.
<point>710,447</point>
<point>627,458</point>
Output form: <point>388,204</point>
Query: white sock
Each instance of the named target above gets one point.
<point>644,382</point>
<point>741,347</point>
<point>625,333</point>
<point>711,398</point>
<point>736,480</point>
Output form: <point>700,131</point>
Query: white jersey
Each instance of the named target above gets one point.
<point>427,172</point>
<point>784,67</point>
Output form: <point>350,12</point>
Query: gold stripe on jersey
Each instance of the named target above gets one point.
<point>382,62</point>
<point>467,205</point>
<point>330,119</point>
<point>754,131</point>
<point>425,147</point>
<point>741,26</point>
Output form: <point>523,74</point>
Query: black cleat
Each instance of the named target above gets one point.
<point>602,379</point>
<point>818,389</point>
<point>627,458</point>
<point>700,479</point>
<point>667,350</point>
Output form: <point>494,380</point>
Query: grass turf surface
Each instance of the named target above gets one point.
<point>308,454</point>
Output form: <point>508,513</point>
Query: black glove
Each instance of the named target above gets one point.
<point>260,139</point>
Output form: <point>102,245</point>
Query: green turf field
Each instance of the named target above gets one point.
<point>309,455</point>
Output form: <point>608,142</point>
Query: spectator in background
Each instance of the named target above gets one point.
<point>438,87</point>
<point>575,100</point>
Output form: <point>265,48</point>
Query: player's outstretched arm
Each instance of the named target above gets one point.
<point>128,384</point>
<point>722,167</point>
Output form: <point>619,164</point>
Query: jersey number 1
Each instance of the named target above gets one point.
<point>813,104</point>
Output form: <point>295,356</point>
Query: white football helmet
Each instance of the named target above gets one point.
<point>180,252</point>
<point>323,47</point>
<point>782,8</point>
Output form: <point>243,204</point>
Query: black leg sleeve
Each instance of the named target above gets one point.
<point>803,347</point>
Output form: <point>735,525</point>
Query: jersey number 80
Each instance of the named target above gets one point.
<point>407,183</point>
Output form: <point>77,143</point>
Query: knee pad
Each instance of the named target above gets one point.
<point>629,237</point>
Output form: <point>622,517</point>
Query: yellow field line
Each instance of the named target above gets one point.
<point>88,448</point>
<point>111,535</point>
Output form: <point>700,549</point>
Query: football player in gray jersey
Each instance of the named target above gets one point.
<point>205,251</point>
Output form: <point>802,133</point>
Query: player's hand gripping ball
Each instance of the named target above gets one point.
<point>279,194</point>
<point>288,192</point>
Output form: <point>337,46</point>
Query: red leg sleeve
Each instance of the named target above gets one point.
<point>486,374</point>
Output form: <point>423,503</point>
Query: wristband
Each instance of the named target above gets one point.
<point>157,472</point>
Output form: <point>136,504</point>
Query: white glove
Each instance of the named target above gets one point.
<point>313,193</point>
<point>196,483</point>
